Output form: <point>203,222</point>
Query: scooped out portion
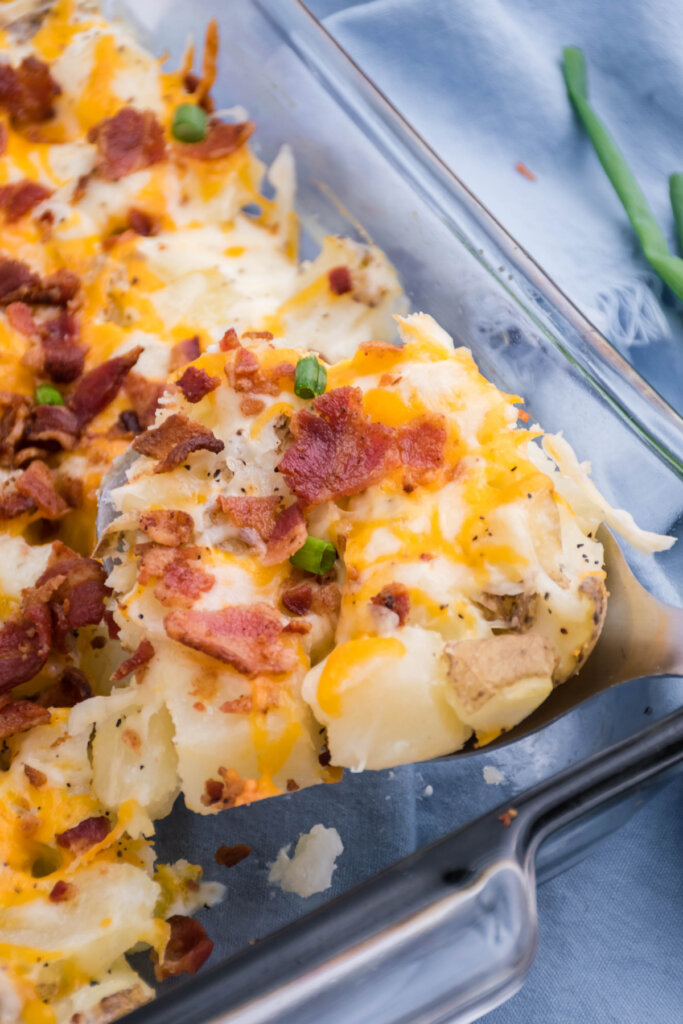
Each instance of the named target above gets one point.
<point>460,584</point>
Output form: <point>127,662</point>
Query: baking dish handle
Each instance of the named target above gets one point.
<point>441,937</point>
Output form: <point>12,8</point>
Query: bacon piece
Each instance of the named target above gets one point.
<point>25,643</point>
<point>28,91</point>
<point>75,589</point>
<point>250,406</point>
<point>299,599</point>
<point>84,835</point>
<point>244,636</point>
<point>19,283</point>
<point>245,375</point>
<point>239,706</point>
<point>62,891</point>
<point>221,139</point>
<point>127,142</point>
<point>4,138</point>
<point>288,535</point>
<point>38,483</point>
<point>228,856</point>
<point>187,949</point>
<point>63,357</point>
<point>183,584</point>
<point>100,386</point>
<point>72,688</point>
<point>337,451</point>
<point>52,426</point>
<point>421,444</point>
<point>21,319</point>
<point>142,223</point>
<point>174,440</point>
<point>13,504</point>
<point>169,527</point>
<point>298,626</point>
<point>255,515</point>
<point>154,560</point>
<point>229,340</point>
<point>14,411</point>
<point>145,396</point>
<point>196,383</point>
<point>19,198</point>
<point>20,715</point>
<point>142,654</point>
<point>35,776</point>
<point>183,352</point>
<point>396,598</point>
<point>339,279</point>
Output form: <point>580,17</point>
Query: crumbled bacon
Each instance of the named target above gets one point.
<point>22,320</point>
<point>174,440</point>
<point>62,891</point>
<point>20,197</point>
<point>244,636</point>
<point>253,515</point>
<point>396,598</point>
<point>183,352</point>
<point>421,444</point>
<point>288,535</point>
<point>142,223</point>
<point>142,654</point>
<point>229,340</point>
<point>28,92</point>
<point>52,426</point>
<point>100,386</point>
<point>12,503</point>
<point>35,776</point>
<point>169,527</point>
<point>4,138</point>
<point>221,139</point>
<point>245,375</point>
<point>320,598</point>
<point>19,283</point>
<point>63,357</point>
<point>250,406</point>
<point>145,396</point>
<point>75,589</point>
<point>228,856</point>
<point>196,383</point>
<point>20,715</point>
<point>188,948</point>
<point>14,412</point>
<point>38,483</point>
<point>127,423</point>
<point>84,835</point>
<point>72,688</point>
<point>182,584</point>
<point>25,643</point>
<point>339,279</point>
<point>337,451</point>
<point>232,790</point>
<point>154,560</point>
<point>242,705</point>
<point>127,142</point>
<point>299,599</point>
<point>298,626</point>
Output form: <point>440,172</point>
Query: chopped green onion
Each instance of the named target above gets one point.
<point>310,378</point>
<point>655,249</point>
<point>189,123</point>
<point>47,395</point>
<point>676,195</point>
<point>316,556</point>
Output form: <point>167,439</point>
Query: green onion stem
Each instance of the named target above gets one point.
<point>316,556</point>
<point>47,395</point>
<point>189,123</point>
<point>655,249</point>
<point>310,378</point>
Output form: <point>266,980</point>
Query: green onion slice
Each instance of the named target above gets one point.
<point>316,556</point>
<point>655,248</point>
<point>676,195</point>
<point>47,395</point>
<point>310,378</point>
<point>189,123</point>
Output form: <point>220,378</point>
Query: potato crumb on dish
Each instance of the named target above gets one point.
<point>312,865</point>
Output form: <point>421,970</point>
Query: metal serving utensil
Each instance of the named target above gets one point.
<point>641,635</point>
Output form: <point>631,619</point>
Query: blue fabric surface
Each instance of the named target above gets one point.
<point>482,84</point>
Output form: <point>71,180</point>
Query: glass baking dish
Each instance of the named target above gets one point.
<point>402,949</point>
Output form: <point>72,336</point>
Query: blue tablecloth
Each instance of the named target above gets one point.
<point>482,83</point>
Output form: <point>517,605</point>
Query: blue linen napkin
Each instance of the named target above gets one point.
<point>482,84</point>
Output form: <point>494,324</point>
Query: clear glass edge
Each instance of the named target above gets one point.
<point>635,401</point>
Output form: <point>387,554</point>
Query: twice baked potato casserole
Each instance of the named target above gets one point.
<point>329,546</point>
